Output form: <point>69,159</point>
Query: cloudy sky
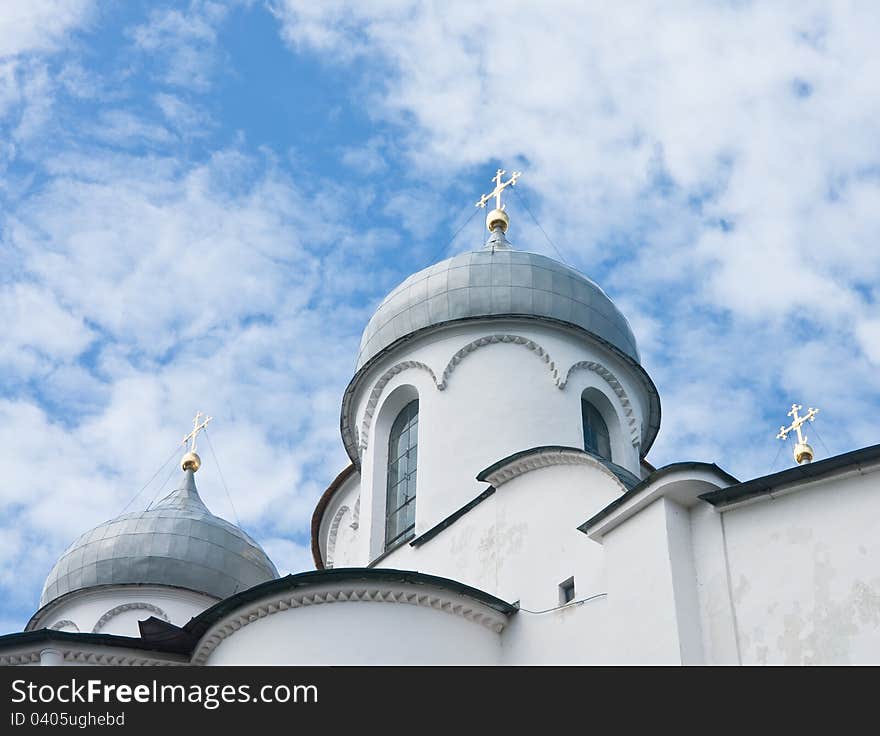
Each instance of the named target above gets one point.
<point>202,202</point>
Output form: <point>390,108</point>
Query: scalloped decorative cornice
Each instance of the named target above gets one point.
<point>618,389</point>
<point>373,401</point>
<point>334,532</point>
<point>559,380</point>
<point>58,625</point>
<point>455,605</point>
<point>545,459</point>
<point>493,340</point>
<point>133,606</point>
<point>108,658</point>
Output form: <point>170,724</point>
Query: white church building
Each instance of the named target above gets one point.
<point>498,509</point>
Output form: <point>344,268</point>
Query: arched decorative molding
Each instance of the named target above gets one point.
<point>58,625</point>
<point>616,387</point>
<point>544,458</point>
<point>334,532</point>
<point>438,599</point>
<point>373,401</point>
<point>136,606</point>
<point>356,517</point>
<point>493,340</point>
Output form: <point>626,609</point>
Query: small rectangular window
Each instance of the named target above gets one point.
<point>566,591</point>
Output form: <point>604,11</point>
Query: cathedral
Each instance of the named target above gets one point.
<point>498,508</point>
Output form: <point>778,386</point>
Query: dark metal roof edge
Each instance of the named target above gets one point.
<point>79,637</point>
<point>201,623</point>
<point>451,519</point>
<point>320,507</point>
<point>651,428</point>
<point>483,474</point>
<point>655,476</point>
<point>764,484</point>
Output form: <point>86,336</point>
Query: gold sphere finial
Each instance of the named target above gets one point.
<point>497,219</point>
<point>191,461</point>
<point>803,453</point>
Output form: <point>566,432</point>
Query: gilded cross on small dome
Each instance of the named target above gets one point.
<point>191,461</point>
<point>803,453</point>
<point>498,217</point>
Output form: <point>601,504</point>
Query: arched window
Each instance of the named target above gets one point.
<point>400,500</point>
<point>596,437</point>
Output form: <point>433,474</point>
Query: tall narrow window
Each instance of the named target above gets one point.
<point>400,501</point>
<point>596,437</point>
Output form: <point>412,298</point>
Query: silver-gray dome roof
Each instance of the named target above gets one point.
<point>178,542</point>
<point>496,281</point>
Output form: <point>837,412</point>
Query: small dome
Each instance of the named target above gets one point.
<point>178,542</point>
<point>496,282</point>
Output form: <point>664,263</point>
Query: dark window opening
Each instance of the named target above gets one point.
<point>400,498</point>
<point>596,437</point>
<point>566,591</point>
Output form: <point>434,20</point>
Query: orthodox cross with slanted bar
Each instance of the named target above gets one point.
<point>197,427</point>
<point>499,187</point>
<point>796,423</point>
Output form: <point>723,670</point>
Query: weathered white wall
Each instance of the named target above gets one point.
<point>717,623</point>
<point>521,542</point>
<point>641,596</point>
<point>573,634</point>
<point>86,607</point>
<point>805,573</point>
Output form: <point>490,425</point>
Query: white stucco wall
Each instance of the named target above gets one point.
<point>643,622</point>
<point>805,573</point>
<point>573,634</point>
<point>360,632</point>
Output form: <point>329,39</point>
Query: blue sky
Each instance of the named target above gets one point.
<point>202,202</point>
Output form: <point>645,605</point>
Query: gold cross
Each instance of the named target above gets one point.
<point>197,427</point>
<point>499,187</point>
<point>796,423</point>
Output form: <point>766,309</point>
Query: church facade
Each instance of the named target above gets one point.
<point>497,509</point>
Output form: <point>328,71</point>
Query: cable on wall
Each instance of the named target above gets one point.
<point>570,604</point>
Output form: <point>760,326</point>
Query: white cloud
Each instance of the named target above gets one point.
<point>185,117</point>
<point>145,288</point>
<point>714,165</point>
<point>35,323</point>
<point>30,31</point>
<point>40,25</point>
<point>185,42</point>
<point>868,334</point>
<point>288,556</point>
<point>366,159</point>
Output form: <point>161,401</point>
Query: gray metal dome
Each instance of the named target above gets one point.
<point>178,542</point>
<point>496,281</point>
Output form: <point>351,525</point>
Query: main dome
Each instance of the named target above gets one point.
<point>496,282</point>
<point>178,542</point>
